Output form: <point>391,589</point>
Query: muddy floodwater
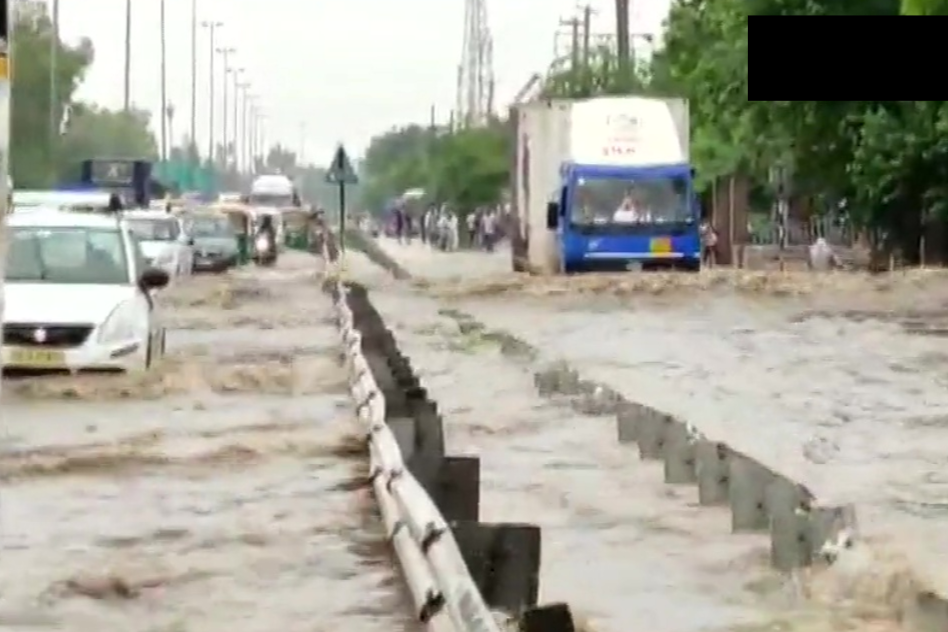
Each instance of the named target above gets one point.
<point>220,492</point>
<point>838,381</point>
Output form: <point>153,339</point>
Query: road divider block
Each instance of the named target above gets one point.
<point>462,574</point>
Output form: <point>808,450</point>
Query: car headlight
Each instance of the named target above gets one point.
<point>119,326</point>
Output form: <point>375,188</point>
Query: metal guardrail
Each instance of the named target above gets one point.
<point>443,591</point>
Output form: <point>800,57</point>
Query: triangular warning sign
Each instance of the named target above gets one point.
<point>340,169</point>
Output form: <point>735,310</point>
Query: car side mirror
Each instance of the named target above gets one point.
<point>552,215</point>
<point>154,279</point>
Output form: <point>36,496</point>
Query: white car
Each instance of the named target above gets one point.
<point>163,241</point>
<point>77,295</point>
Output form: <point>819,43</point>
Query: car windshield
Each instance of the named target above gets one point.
<point>270,199</point>
<point>599,201</point>
<point>158,229</point>
<point>211,227</point>
<point>66,255</point>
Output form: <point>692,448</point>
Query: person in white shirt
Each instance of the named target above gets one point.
<point>453,236</point>
<point>629,212</point>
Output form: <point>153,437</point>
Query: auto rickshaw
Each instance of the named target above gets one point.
<point>242,220</point>
<point>296,221</point>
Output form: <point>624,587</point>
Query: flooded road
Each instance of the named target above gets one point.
<point>218,493</point>
<point>619,545</point>
<point>835,387</point>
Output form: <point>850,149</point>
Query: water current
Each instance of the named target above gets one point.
<point>218,493</point>
<point>837,380</point>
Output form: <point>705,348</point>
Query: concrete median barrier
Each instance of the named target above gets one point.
<point>759,499</point>
<point>431,501</point>
<point>801,527</point>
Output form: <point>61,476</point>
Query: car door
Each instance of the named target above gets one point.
<point>148,311</point>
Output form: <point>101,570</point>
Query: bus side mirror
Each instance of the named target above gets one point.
<point>552,215</point>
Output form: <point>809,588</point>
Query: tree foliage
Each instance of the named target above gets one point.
<point>44,148</point>
<point>888,160</point>
<point>466,168</point>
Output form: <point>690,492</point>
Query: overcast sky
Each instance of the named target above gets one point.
<point>347,69</point>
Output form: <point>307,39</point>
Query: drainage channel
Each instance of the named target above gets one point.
<point>463,574</point>
<point>789,527</point>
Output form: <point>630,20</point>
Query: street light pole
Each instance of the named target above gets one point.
<point>245,113</point>
<point>194,29</point>
<point>127,102</point>
<point>164,81</point>
<point>212,28</point>
<point>225,54</point>
<point>262,140</point>
<point>238,73</point>
<point>6,190</point>
<point>251,140</point>
<point>53,83</point>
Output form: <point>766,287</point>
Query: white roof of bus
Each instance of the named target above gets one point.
<point>273,185</point>
<point>55,218</point>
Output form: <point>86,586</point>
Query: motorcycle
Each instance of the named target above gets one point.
<point>264,253</point>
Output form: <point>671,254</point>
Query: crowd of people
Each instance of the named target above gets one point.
<point>447,230</point>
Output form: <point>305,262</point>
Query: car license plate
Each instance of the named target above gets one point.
<point>660,245</point>
<point>37,358</point>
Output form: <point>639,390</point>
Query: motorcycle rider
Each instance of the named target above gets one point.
<point>265,239</point>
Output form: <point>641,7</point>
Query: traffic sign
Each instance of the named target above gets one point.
<point>340,169</point>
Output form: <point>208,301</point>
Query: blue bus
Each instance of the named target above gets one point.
<point>611,218</point>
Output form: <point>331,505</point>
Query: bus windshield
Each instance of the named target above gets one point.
<point>631,202</point>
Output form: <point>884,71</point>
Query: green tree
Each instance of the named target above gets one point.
<point>924,7</point>
<point>94,131</point>
<point>41,156</point>
<point>471,168</point>
<point>465,168</point>
<point>887,158</point>
<point>34,149</point>
<point>395,161</point>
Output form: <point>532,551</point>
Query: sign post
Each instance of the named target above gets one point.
<point>341,173</point>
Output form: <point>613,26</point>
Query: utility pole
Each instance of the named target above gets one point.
<point>54,84</point>
<point>212,28</point>
<point>588,83</point>
<point>162,24</point>
<point>587,35</point>
<point>194,29</point>
<point>622,41</point>
<point>128,56</point>
<point>575,54</point>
